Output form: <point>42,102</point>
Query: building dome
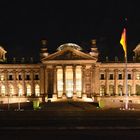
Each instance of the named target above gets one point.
<point>67,45</point>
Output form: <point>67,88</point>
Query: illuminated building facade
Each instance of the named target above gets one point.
<point>69,73</point>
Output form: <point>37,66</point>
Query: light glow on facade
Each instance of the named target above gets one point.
<point>69,73</point>
<point>37,90</point>
<point>28,90</point>
<point>60,82</point>
<point>69,82</point>
<point>79,81</point>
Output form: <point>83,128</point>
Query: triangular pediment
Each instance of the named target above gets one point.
<point>137,49</point>
<point>69,54</point>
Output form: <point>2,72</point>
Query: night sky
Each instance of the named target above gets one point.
<point>24,23</point>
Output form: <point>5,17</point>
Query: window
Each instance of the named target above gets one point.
<point>120,76</point>
<point>129,90</point>
<point>11,90</point>
<point>111,89</point>
<point>27,77</point>
<point>2,77</point>
<point>36,77</point>
<point>10,77</point>
<point>102,90</point>
<point>129,76</point>
<point>138,76</point>
<point>28,90</point>
<point>37,90</point>
<point>111,76</point>
<point>19,77</point>
<point>102,77</point>
<point>20,90</point>
<point>120,90</point>
<point>3,90</point>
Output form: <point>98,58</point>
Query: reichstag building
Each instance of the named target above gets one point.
<point>69,73</point>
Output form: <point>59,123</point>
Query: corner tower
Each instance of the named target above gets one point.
<point>2,54</point>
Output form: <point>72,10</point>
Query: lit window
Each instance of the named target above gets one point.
<point>11,90</point>
<point>37,90</point>
<point>111,89</point>
<point>102,90</point>
<point>20,90</point>
<point>129,90</point>
<point>120,90</point>
<point>138,76</point>
<point>3,90</point>
<point>28,90</point>
<point>2,77</point>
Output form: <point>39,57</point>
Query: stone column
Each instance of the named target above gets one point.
<point>23,83</point>
<point>106,83</point>
<point>50,79</point>
<point>55,83</point>
<point>46,82</point>
<point>15,83</point>
<point>133,82</point>
<point>42,80</point>
<point>96,81</point>
<point>116,81</point>
<point>32,83</point>
<point>83,81</point>
<point>6,82</point>
<point>92,68</point>
<point>74,80</point>
<point>64,81</point>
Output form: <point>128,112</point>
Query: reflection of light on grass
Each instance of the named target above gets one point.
<point>36,105</point>
<point>101,104</point>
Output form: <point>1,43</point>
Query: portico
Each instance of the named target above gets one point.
<point>71,71</point>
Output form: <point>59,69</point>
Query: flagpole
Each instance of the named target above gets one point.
<point>123,42</point>
<point>126,75</point>
<point>126,84</point>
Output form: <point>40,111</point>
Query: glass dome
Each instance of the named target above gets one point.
<point>67,45</point>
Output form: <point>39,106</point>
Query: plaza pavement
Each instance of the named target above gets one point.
<point>69,120</point>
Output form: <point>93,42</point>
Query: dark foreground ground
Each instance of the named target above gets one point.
<point>69,120</point>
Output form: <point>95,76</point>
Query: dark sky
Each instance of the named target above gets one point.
<point>24,23</point>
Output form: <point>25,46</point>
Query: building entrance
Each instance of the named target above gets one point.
<point>69,81</point>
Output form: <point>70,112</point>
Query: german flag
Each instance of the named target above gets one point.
<point>123,42</point>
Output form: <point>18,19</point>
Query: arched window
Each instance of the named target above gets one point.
<point>20,90</point>
<point>138,90</point>
<point>11,90</point>
<point>28,90</point>
<point>37,90</point>
<point>129,90</point>
<point>102,90</point>
<point>120,90</point>
<point>3,90</point>
<point>111,90</point>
